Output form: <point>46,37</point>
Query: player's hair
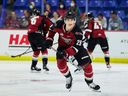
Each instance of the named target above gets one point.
<point>90,15</point>
<point>70,15</point>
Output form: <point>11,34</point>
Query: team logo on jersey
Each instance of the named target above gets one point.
<point>78,33</point>
<point>66,40</point>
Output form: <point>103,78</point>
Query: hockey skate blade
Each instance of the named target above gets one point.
<point>109,67</point>
<point>96,90</point>
<point>45,72</point>
<point>69,90</point>
<point>34,71</point>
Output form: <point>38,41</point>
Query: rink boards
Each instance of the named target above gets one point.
<point>13,42</point>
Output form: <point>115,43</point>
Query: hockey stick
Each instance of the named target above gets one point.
<point>70,59</point>
<point>26,52</point>
<point>19,55</point>
<point>67,59</point>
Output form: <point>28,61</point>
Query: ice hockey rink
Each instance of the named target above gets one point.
<point>16,79</point>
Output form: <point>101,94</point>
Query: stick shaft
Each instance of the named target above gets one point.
<point>26,52</point>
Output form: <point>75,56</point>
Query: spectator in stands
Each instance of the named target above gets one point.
<point>48,10</point>
<point>25,19</point>
<point>102,19</point>
<point>55,17</point>
<point>115,22</point>
<point>76,10</point>
<point>12,21</point>
<point>61,9</point>
<point>10,4</point>
<point>75,7</point>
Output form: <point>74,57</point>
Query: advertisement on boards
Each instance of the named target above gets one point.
<point>16,41</point>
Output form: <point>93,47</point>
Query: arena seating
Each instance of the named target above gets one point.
<point>98,5</point>
<point>54,4</point>
<point>102,6</point>
<point>20,4</point>
<point>67,3</point>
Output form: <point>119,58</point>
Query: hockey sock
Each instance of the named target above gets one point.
<point>45,61</point>
<point>107,60</point>
<point>88,81</point>
<point>68,80</point>
<point>88,73</point>
<point>68,75</point>
<point>33,66</point>
<point>62,66</point>
<point>34,63</point>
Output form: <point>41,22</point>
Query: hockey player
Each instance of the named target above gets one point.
<point>95,34</point>
<point>70,44</point>
<point>37,30</point>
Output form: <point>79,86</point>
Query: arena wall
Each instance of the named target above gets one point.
<point>13,42</point>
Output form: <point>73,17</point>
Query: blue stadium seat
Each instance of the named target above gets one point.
<point>1,24</point>
<point>37,3</point>
<point>125,25</point>
<point>53,2</point>
<point>67,3</point>
<point>81,3</point>
<point>19,12</point>
<point>106,13</point>
<point>124,3</point>
<point>82,9</point>
<point>95,3</point>
<point>20,4</point>
<point>110,3</point>
<point>121,14</point>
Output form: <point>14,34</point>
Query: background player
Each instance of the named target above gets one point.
<point>37,30</point>
<point>95,34</point>
<point>69,44</point>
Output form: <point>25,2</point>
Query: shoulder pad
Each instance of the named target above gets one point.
<point>77,29</point>
<point>59,23</point>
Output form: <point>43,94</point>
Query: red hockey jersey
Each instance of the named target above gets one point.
<point>39,24</point>
<point>69,41</point>
<point>94,29</point>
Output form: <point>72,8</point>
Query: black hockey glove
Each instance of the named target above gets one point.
<point>61,54</point>
<point>48,43</point>
<point>85,40</point>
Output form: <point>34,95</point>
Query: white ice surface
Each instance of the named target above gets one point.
<point>16,79</point>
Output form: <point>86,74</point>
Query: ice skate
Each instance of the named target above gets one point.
<point>35,69</point>
<point>94,87</point>
<point>108,66</point>
<point>33,66</point>
<point>45,62</point>
<point>69,83</point>
<point>45,68</point>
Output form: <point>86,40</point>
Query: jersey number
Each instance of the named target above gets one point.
<point>97,25</point>
<point>79,42</point>
<point>33,20</point>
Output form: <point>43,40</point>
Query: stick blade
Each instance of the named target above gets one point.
<point>14,56</point>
